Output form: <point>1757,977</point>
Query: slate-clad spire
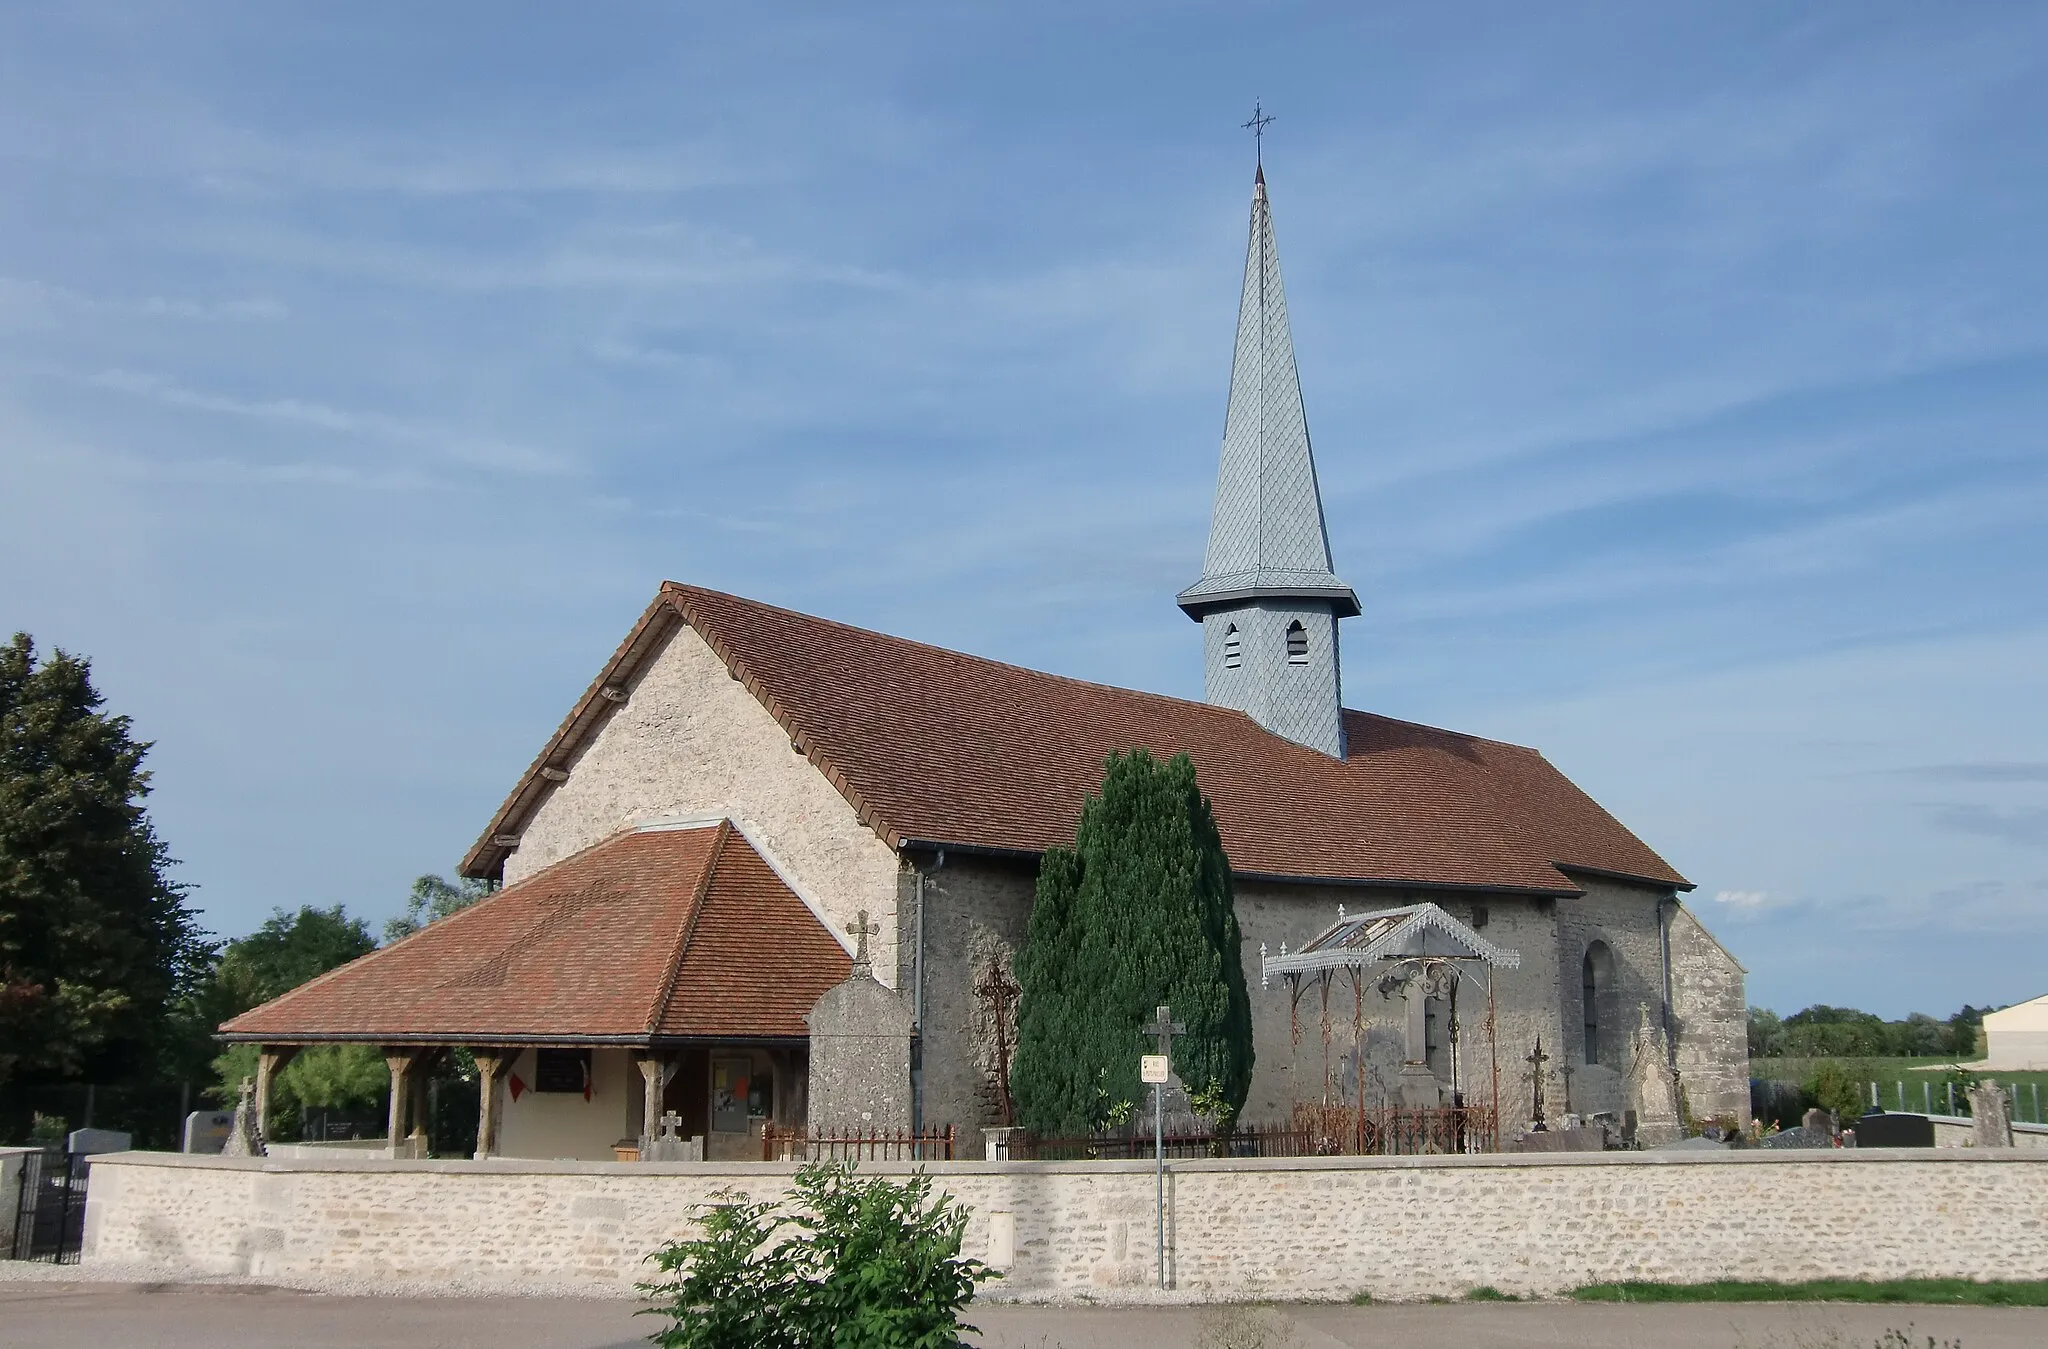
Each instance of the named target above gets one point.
<point>1268,600</point>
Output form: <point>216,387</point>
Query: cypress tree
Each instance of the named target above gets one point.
<point>1138,913</point>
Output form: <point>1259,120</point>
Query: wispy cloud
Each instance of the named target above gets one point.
<point>2028,828</point>
<point>458,446</point>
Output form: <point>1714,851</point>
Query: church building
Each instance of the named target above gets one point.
<point>757,828</point>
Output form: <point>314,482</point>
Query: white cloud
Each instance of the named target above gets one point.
<point>1742,899</point>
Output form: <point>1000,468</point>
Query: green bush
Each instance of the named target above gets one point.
<point>840,1263</point>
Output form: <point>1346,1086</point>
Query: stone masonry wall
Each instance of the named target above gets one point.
<point>1287,1069</point>
<point>1315,1228</point>
<point>690,740</point>
<point>1709,1004</point>
<point>974,907</point>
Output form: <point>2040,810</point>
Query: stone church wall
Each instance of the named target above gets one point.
<point>976,909</point>
<point>1712,1010</point>
<point>690,740</point>
<point>1623,918</point>
<point>1286,1070</point>
<point>1301,1229</point>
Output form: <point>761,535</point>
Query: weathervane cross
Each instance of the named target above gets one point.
<point>1257,126</point>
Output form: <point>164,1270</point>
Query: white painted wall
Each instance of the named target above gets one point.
<point>565,1126</point>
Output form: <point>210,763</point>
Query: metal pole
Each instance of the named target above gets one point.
<point>1159,1172</point>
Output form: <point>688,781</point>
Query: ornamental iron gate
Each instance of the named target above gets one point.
<point>49,1220</point>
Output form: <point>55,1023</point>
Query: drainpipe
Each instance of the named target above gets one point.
<point>917,987</point>
<point>1664,952</point>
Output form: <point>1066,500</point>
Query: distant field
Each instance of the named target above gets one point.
<point>1889,1074</point>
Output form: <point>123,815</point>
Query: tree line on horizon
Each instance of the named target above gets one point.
<point>1824,1032</point>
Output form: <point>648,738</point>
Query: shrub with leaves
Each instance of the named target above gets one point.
<point>840,1263</point>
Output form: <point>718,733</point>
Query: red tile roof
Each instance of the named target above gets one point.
<point>932,746</point>
<point>652,934</point>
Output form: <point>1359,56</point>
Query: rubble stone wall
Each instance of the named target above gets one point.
<point>1313,1228</point>
<point>690,741</point>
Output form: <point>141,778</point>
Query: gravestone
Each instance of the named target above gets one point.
<point>860,1053</point>
<point>1895,1131</point>
<point>244,1138</point>
<point>1652,1086</point>
<point>1799,1137</point>
<point>88,1142</point>
<point>669,1145</point>
<point>1562,1140</point>
<point>1990,1115</point>
<point>1818,1121</point>
<point>207,1130</point>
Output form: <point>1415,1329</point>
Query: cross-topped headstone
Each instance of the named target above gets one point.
<point>861,929</point>
<point>1162,1028</point>
<point>671,1124</point>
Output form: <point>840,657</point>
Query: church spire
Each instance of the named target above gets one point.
<point>1267,600</point>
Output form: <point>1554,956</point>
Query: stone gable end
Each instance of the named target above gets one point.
<point>690,740</point>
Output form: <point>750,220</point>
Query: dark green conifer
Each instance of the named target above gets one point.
<point>1137,914</point>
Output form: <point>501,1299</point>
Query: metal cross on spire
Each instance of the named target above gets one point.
<point>1257,126</point>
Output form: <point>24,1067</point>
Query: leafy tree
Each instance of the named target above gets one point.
<point>1766,1033</point>
<point>433,899</point>
<point>96,941</point>
<point>286,951</point>
<point>1138,913</point>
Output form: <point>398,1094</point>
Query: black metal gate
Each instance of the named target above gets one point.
<point>49,1222</point>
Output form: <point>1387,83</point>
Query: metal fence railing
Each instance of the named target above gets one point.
<point>873,1145</point>
<point>48,1222</point>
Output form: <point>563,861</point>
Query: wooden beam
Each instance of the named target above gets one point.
<point>270,1061</point>
<point>491,1067</point>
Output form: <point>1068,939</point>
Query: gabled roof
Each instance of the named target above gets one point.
<point>657,933</point>
<point>1389,934</point>
<point>932,747</point>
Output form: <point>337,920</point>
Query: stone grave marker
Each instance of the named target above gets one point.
<point>207,1130</point>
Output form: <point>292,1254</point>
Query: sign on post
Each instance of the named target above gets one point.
<point>1152,1069</point>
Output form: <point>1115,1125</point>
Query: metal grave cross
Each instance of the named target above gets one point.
<point>1537,1058</point>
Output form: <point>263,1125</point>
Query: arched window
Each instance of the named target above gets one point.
<point>1596,985</point>
<point>1233,648</point>
<point>1297,643</point>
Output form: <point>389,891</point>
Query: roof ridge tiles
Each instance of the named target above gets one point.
<point>665,992</point>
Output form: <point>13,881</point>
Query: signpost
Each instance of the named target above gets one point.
<point>1157,1069</point>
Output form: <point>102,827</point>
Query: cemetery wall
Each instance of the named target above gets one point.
<point>691,740</point>
<point>1312,1228</point>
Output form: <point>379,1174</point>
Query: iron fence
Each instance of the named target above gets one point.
<point>860,1145</point>
<point>1313,1131</point>
<point>49,1218</point>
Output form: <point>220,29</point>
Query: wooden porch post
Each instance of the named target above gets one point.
<point>491,1067</point>
<point>655,1071</point>
<point>401,1060</point>
<point>270,1061</point>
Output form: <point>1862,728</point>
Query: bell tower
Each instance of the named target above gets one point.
<point>1267,600</point>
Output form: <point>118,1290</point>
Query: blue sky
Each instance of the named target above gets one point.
<point>1678,378</point>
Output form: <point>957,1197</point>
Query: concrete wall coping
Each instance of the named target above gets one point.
<point>518,1166</point>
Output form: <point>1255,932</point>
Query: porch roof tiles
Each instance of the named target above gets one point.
<point>653,934</point>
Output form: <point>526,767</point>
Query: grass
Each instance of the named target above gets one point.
<point>1934,1292</point>
<point>1889,1072</point>
<point>1486,1292</point>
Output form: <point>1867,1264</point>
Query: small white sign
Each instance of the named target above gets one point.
<point>1152,1068</point>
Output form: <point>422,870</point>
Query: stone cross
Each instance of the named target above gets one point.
<point>1163,1028</point>
<point>1537,1058</point>
<point>998,993</point>
<point>861,929</point>
<point>671,1124</point>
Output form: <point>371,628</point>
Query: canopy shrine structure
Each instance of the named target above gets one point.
<point>620,984</point>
